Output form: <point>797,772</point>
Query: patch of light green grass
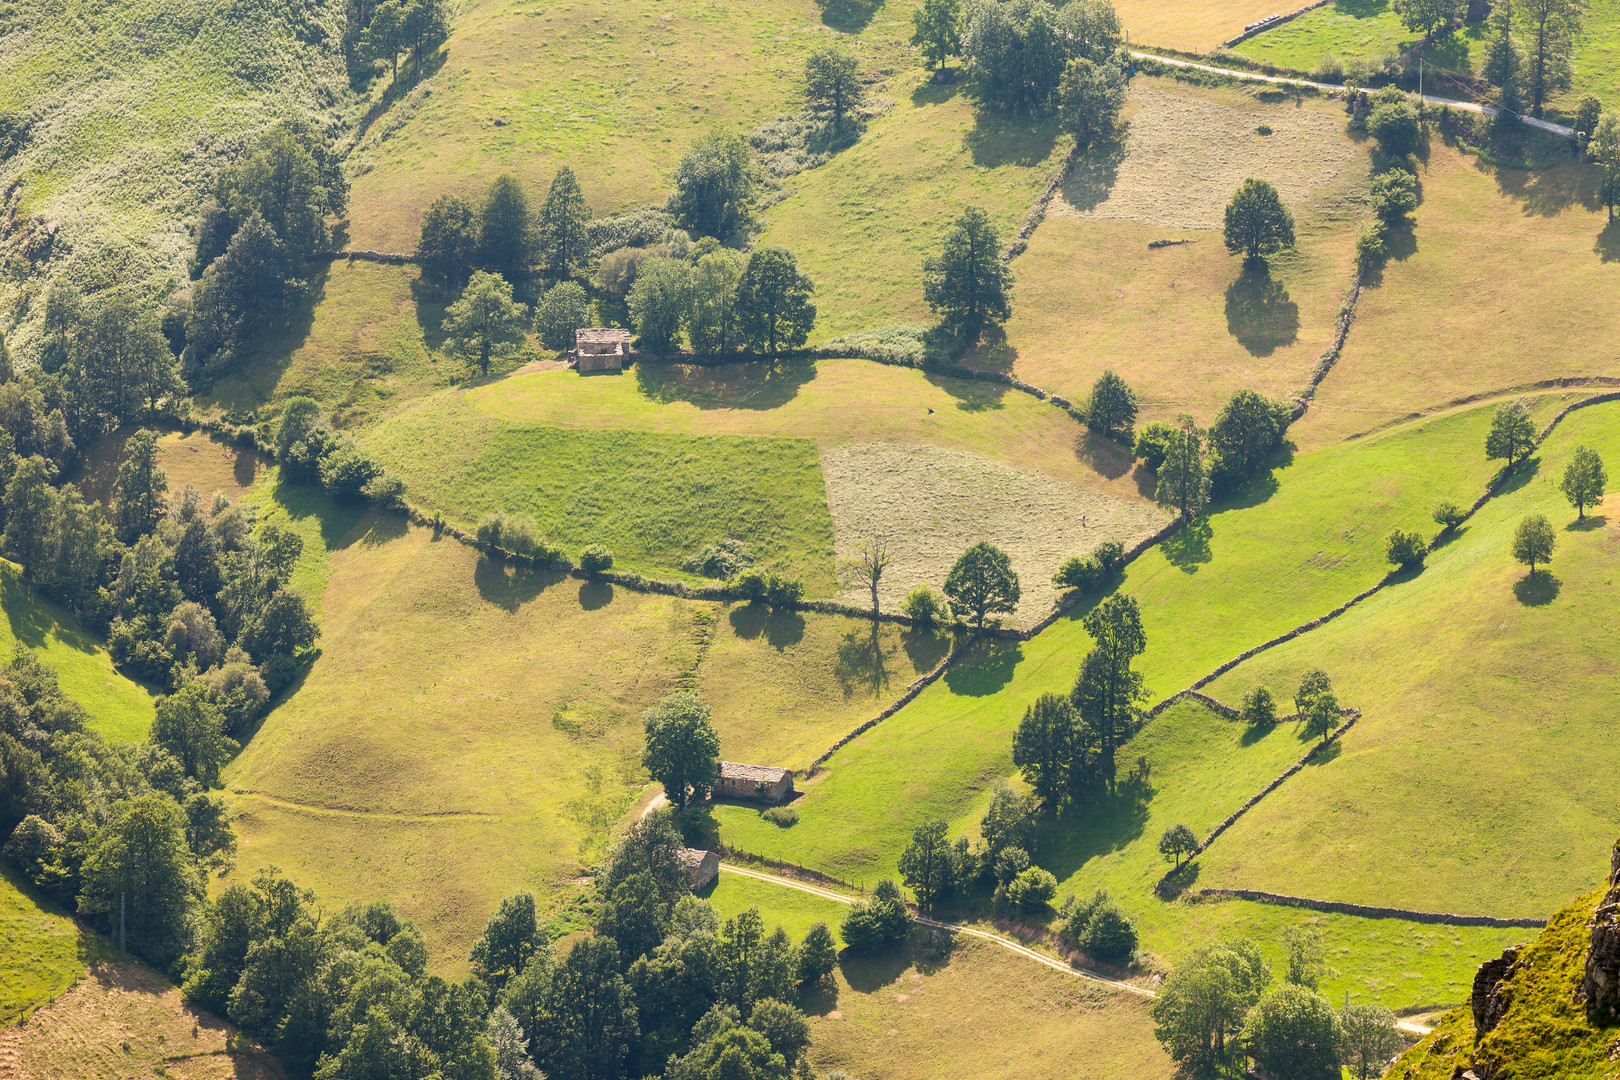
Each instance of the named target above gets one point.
<point>120,709</point>
<point>654,499</point>
<point>792,910</point>
<point>1361,30</point>
<point>1480,778</point>
<point>42,951</point>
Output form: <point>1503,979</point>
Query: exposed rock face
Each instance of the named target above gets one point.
<point>1601,985</point>
<point>1488,999</point>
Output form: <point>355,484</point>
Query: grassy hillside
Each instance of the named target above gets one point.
<point>1476,229</point>
<point>135,104</point>
<point>119,708</point>
<point>1545,1033</point>
<point>1485,742</point>
<point>1189,25</point>
<point>862,224</point>
<point>901,1015</point>
<point>1183,324</point>
<point>44,950</point>
<point>616,92</point>
<point>124,1020</point>
<point>654,500</point>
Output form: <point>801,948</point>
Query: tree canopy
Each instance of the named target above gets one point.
<point>1257,222</point>
<point>682,751</point>
<point>982,583</point>
<point>967,283</point>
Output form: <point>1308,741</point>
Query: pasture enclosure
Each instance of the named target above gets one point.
<point>932,503</point>
<point>1486,735</point>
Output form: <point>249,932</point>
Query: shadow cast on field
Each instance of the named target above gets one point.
<point>779,628</point>
<point>1104,455</point>
<point>867,973</point>
<point>1110,823</point>
<point>999,138</point>
<point>1549,192</point>
<point>1587,523</point>
<point>973,395</point>
<point>509,586</point>
<point>1524,472</point>
<point>1537,588</point>
<point>1327,754</point>
<point>1092,179</point>
<point>861,662</point>
<point>1607,245</point>
<point>848,16</point>
<point>595,595</point>
<point>1188,548</point>
<point>1259,313</point>
<point>760,385</point>
<point>925,648</point>
<point>1181,878</point>
<point>986,669</point>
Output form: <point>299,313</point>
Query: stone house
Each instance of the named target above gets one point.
<point>702,866</point>
<point>601,349</point>
<point>763,782</point>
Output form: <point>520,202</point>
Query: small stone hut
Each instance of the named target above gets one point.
<point>702,866</point>
<point>601,348</point>
<point>763,782</point>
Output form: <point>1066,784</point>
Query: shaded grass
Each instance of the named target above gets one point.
<point>44,950</point>
<point>616,92</point>
<point>1476,229</point>
<point>862,224</point>
<point>120,709</point>
<point>655,500</point>
<point>1480,777</point>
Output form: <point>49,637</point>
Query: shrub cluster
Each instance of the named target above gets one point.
<point>518,534</point>
<point>1085,574</point>
<point>309,450</point>
<point>1100,928</point>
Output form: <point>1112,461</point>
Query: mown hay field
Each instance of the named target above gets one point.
<point>931,503</point>
<point>615,91</point>
<point>1481,776</point>
<point>1190,25</point>
<point>1185,324</point>
<point>1456,314</point>
<point>122,1020</point>
<point>862,224</point>
<point>903,1014</point>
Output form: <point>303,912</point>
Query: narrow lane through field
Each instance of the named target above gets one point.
<point>1283,80</point>
<point>1409,1026</point>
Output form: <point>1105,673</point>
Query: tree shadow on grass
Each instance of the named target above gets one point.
<point>1549,192</point>
<point>1146,480</point>
<point>861,663</point>
<point>1107,456</point>
<point>986,668</point>
<point>867,972</point>
<point>1187,548</point>
<point>1328,753</point>
<point>932,92</point>
<point>1537,589</point>
<point>1607,245</point>
<point>430,308</point>
<point>973,395</point>
<point>698,827</point>
<point>780,628</point>
<point>925,648</point>
<point>337,522</point>
<point>819,1000</point>
<point>1524,472</point>
<point>1067,842</point>
<point>1587,523</point>
<point>1258,311</point>
<point>1182,878</point>
<point>757,385</point>
<point>1448,536</point>
<point>1095,172</point>
<point>595,595</point>
<point>848,16</point>
<point>509,586</point>
<point>1000,138</point>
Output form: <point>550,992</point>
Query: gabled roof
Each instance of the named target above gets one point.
<point>767,774</point>
<point>598,335</point>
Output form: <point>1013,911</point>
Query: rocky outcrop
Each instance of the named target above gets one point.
<point>1489,999</point>
<point>1601,984</point>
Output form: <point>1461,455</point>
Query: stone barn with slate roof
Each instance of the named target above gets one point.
<point>763,782</point>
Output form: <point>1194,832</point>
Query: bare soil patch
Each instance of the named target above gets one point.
<point>121,1020</point>
<point>932,503</point>
<point>1186,151</point>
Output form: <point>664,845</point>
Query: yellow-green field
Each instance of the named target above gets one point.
<point>44,949</point>
<point>1184,324</point>
<point>1458,313</point>
<point>616,92</point>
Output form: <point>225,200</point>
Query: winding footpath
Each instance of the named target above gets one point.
<point>1283,80</point>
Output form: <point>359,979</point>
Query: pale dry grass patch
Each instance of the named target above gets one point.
<point>933,502</point>
<point>1186,151</point>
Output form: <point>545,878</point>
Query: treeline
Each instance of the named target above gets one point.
<point>378,32</point>
<point>677,270</point>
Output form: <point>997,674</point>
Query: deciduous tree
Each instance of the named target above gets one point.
<point>511,936</point>
<point>832,84</point>
<point>1177,843</point>
<point>1042,747</point>
<point>1257,222</point>
<point>1533,541</point>
<point>1549,29</point>
<point>1090,97</point>
<point>1183,473</point>
<point>1204,1001</point>
<point>192,728</point>
<point>773,302</point>
<point>1405,548</point>
<point>485,322</point>
<point>139,492</point>
<point>139,863</point>
<point>682,751</point>
<point>867,567</point>
<point>1368,1039</point>
<point>1113,405</point>
<point>967,283</point>
<point>712,319</point>
<point>1294,1032</point>
<point>1313,684</point>
<point>1259,708</point>
<point>1108,691</point>
<point>936,28</point>
<point>658,301</point>
<point>982,583</point>
<point>926,865</point>
<point>1431,18</point>
<point>1512,435</point>
<point>714,186</point>
<point>1584,480</point>
<point>448,248</point>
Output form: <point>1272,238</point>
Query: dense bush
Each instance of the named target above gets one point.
<point>1448,515</point>
<point>924,605</point>
<point>721,559</point>
<point>1031,890</point>
<point>639,228</point>
<point>783,592</point>
<point>1394,123</point>
<point>782,816</point>
<point>1405,549</point>
<point>1153,443</point>
<point>1101,928</point>
<point>1394,195</point>
<point>877,921</point>
<point>1078,573</point>
<point>596,559</point>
